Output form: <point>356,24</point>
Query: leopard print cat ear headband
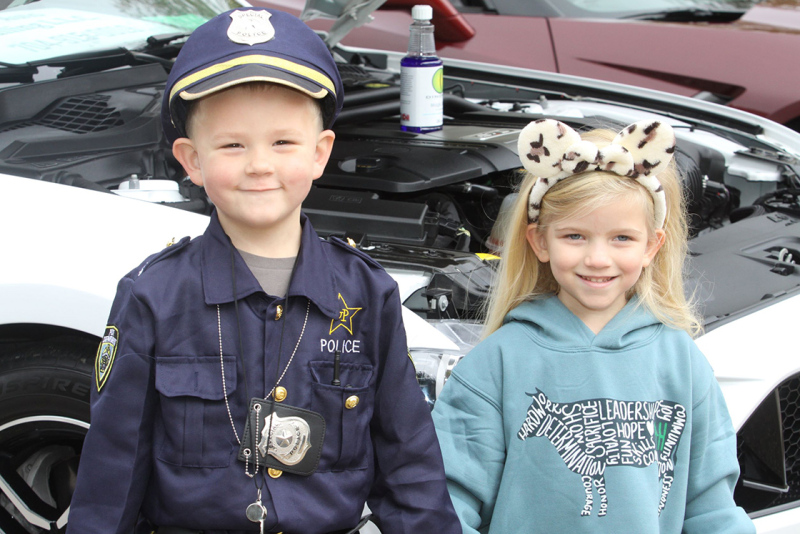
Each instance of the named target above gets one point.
<point>552,151</point>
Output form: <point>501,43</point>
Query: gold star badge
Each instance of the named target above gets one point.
<point>345,319</point>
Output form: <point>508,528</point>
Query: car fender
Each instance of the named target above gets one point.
<point>752,355</point>
<point>784,522</point>
<point>77,245</point>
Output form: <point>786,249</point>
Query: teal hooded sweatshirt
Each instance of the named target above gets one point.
<point>548,427</point>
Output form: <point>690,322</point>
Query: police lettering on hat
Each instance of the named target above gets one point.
<point>250,45</point>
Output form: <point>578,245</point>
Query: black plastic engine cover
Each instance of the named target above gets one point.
<point>738,269</point>
<point>358,214</point>
<point>385,159</point>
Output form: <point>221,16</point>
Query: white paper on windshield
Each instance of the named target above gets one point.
<point>37,34</point>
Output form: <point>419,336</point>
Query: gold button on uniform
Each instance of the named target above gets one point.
<point>280,393</point>
<point>351,402</point>
<point>274,473</point>
<point>278,312</point>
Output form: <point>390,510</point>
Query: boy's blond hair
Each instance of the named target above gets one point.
<point>194,109</point>
<point>522,277</point>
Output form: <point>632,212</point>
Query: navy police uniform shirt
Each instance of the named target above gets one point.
<point>161,440</point>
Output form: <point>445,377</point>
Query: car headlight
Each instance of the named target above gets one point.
<point>435,365</point>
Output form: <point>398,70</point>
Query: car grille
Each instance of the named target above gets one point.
<point>757,440</point>
<point>81,114</point>
<point>789,393</point>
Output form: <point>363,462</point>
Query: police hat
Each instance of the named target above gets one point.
<point>246,45</point>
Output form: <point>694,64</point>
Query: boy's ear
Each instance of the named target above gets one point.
<point>184,151</point>
<point>323,151</point>
<point>653,246</point>
<point>538,242</point>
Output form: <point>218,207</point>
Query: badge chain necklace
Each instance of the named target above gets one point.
<point>256,511</point>
<point>225,391</point>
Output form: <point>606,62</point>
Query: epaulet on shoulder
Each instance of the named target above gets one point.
<point>171,248</point>
<point>354,250</point>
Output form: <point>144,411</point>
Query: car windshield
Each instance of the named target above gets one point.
<point>35,30</point>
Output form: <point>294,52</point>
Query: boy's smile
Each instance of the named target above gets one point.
<point>597,258</point>
<point>256,150</point>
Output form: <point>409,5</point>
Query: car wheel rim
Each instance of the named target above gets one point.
<point>38,465</point>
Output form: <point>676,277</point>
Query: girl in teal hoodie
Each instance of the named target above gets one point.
<point>588,407</point>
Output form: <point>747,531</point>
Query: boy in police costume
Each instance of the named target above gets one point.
<point>256,378</point>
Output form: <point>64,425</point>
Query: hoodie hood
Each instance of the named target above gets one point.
<point>554,326</point>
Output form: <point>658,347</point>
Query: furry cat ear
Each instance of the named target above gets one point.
<point>651,145</point>
<point>542,145</point>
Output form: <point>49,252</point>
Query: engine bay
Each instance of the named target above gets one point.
<point>396,194</point>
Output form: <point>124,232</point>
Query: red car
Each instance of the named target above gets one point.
<point>737,52</point>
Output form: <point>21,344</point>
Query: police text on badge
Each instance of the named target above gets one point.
<point>352,346</point>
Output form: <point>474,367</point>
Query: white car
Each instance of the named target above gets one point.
<point>88,188</point>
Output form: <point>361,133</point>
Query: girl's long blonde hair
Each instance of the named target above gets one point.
<point>522,277</point>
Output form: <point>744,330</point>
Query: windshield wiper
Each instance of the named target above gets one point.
<point>74,64</point>
<point>158,41</point>
<point>16,73</point>
<point>93,61</point>
<point>690,15</point>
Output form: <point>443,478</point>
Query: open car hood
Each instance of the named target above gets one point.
<point>348,14</point>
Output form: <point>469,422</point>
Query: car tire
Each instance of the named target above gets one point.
<point>44,415</point>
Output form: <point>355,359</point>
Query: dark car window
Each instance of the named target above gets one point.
<point>527,8</point>
<point>605,8</point>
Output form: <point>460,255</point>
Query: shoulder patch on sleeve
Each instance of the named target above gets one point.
<point>170,249</point>
<point>106,353</point>
<point>353,250</point>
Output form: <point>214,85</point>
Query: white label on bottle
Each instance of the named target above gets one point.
<point>421,96</point>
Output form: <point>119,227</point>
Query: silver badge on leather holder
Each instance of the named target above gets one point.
<point>290,439</point>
